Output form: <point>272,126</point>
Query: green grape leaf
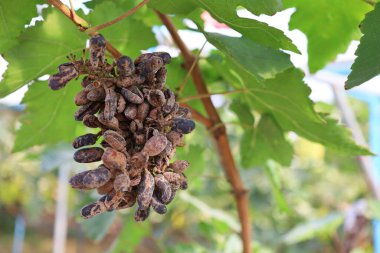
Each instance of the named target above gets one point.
<point>131,236</point>
<point>130,35</point>
<point>257,7</point>
<point>265,142</point>
<point>243,112</point>
<point>225,11</point>
<point>286,97</point>
<point>329,25</point>
<point>15,15</point>
<point>256,60</point>
<point>173,6</point>
<point>48,117</point>
<point>41,49</point>
<point>367,64</point>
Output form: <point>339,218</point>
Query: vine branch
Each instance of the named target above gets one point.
<point>83,25</point>
<point>219,133</point>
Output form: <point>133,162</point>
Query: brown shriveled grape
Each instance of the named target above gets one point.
<point>163,189</point>
<point>133,95</point>
<point>122,183</point>
<point>88,155</point>
<point>104,189</point>
<point>156,98</point>
<point>121,103</point>
<point>179,166</point>
<point>85,140</point>
<point>96,94</point>
<point>97,177</point>
<point>142,111</point>
<point>87,109</point>
<point>81,98</point>
<point>142,214</point>
<point>145,190</point>
<point>130,111</point>
<point>155,145</point>
<point>157,205</point>
<point>177,139</point>
<point>115,140</point>
<point>114,160</point>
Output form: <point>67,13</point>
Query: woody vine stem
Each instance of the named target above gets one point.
<point>212,121</point>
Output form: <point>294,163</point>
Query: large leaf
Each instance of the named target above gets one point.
<point>257,7</point>
<point>15,15</point>
<point>41,49</point>
<point>258,61</point>
<point>286,97</point>
<point>367,64</point>
<point>329,26</point>
<point>225,11</point>
<point>129,36</point>
<point>265,142</point>
<point>48,116</point>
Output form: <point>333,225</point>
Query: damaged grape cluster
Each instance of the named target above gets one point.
<point>141,124</point>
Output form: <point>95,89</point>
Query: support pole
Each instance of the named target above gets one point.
<point>60,226</point>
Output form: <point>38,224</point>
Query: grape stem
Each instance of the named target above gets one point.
<point>109,23</point>
<point>219,133</point>
<point>84,26</point>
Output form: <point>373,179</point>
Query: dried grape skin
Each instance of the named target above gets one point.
<point>88,155</point>
<point>85,140</point>
<point>115,140</point>
<point>96,177</point>
<point>162,188</point>
<point>106,188</point>
<point>133,95</point>
<point>142,111</point>
<point>87,109</point>
<point>97,94</point>
<point>97,49</point>
<point>91,121</point>
<point>130,111</point>
<point>114,160</point>
<point>155,145</point>
<point>122,183</point>
<point>125,66</point>
<point>145,190</point>
<point>121,103</point>
<point>81,98</point>
<point>157,206</point>
<point>142,214</point>
<point>179,166</point>
<point>177,139</point>
<point>76,181</point>
<point>156,98</point>
<point>183,126</point>
<point>110,104</point>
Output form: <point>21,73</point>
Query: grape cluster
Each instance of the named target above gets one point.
<point>141,124</point>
